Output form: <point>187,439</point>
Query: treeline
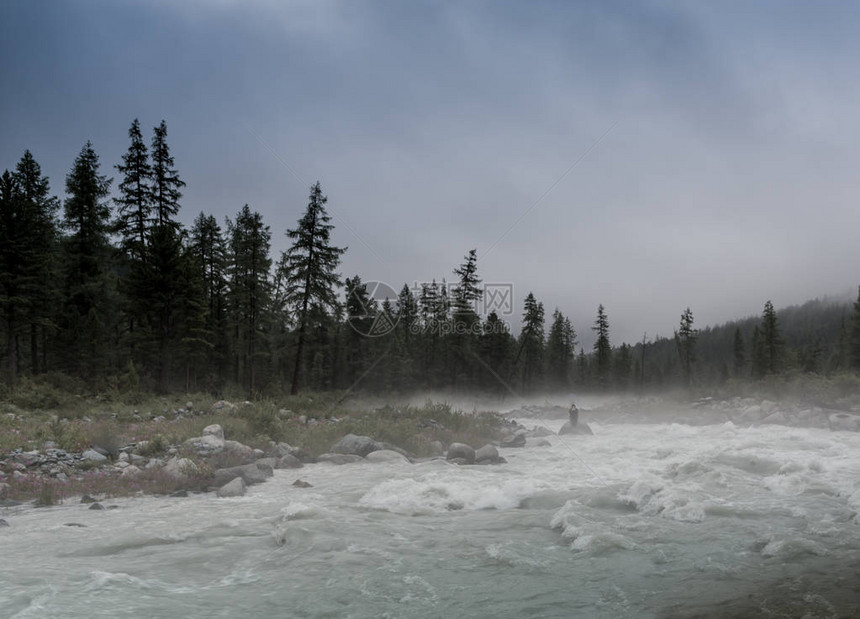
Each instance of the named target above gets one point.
<point>112,289</point>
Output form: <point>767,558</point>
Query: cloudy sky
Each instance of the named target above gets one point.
<point>648,156</point>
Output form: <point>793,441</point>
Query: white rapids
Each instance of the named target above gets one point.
<point>635,521</point>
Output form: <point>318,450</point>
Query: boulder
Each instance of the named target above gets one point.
<point>580,428</point>
<point>386,455</point>
<point>87,499</point>
<point>288,461</point>
<point>355,445</point>
<point>844,421</point>
<point>94,456</point>
<point>487,453</point>
<point>437,448</point>
<point>206,444</point>
<point>250,473</point>
<point>518,439</point>
<point>282,449</point>
<point>335,458</point>
<point>221,405</point>
<point>461,451</point>
<point>299,483</point>
<point>130,471</point>
<point>241,452</point>
<point>97,506</point>
<point>214,430</point>
<point>232,488</point>
<point>180,468</point>
<point>540,432</point>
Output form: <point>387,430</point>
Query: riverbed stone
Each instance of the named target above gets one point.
<point>250,473</point>
<point>300,483</point>
<point>232,488</point>
<point>353,444</point>
<point>239,451</point>
<point>487,454</point>
<point>386,455</point>
<point>215,430</point>
<point>580,428</point>
<point>844,421</point>
<point>288,461</point>
<point>97,506</point>
<point>337,458</point>
<point>461,451</point>
<point>180,468</point>
<point>94,456</point>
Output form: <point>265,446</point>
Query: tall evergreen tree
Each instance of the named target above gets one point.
<point>623,367</point>
<point>771,340</point>
<point>531,353</point>
<point>854,336</point>
<point>166,184</point>
<point>88,304</point>
<point>685,340</point>
<point>209,252</point>
<point>602,349</point>
<point>135,201</point>
<point>310,265</point>
<point>739,356</point>
<point>560,351</point>
<point>759,365</point>
<point>249,291</point>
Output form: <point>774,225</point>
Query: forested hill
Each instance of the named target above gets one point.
<point>107,290</point>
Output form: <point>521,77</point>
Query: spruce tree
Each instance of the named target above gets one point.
<point>623,367</point>
<point>602,349</point>
<point>209,253</point>
<point>531,353</point>
<point>685,340</point>
<point>772,341</point>
<point>249,291</point>
<point>88,310</point>
<point>560,351</point>
<point>854,336</point>
<point>310,274</point>
<point>166,183</point>
<point>497,351</point>
<point>135,201</point>
<point>738,354</point>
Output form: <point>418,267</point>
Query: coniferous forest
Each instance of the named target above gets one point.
<point>107,288</point>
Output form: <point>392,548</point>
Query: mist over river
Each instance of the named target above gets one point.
<point>638,520</point>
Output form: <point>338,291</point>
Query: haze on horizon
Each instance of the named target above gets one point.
<point>647,156</point>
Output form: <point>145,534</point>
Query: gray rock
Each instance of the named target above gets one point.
<point>214,430</point>
<point>269,462</point>
<point>93,455</point>
<point>543,443</point>
<point>461,451</point>
<point>97,506</point>
<point>240,451</point>
<point>336,458</point>
<point>844,421</point>
<point>87,499</point>
<point>288,461</point>
<point>249,473</point>
<point>206,444</point>
<point>386,455</point>
<point>487,453</point>
<point>302,484</point>
<point>180,468</point>
<point>540,431</point>
<point>179,494</point>
<point>437,448</point>
<point>9,503</point>
<point>580,428</point>
<point>130,471</point>
<point>355,445</point>
<point>517,440</point>
<point>282,449</point>
<point>232,488</point>
<point>3,523</point>
<point>4,490</point>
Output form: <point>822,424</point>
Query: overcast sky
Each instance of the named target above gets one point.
<point>648,156</point>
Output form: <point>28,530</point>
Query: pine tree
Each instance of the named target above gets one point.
<point>602,349</point>
<point>560,351</point>
<point>854,336</point>
<point>738,354</point>
<point>166,184</point>
<point>531,353</point>
<point>135,201</point>
<point>311,278</point>
<point>759,364</point>
<point>623,367</point>
<point>497,351</point>
<point>88,304</point>
<point>465,322</point>
<point>249,291</point>
<point>771,340</point>
<point>209,252</point>
<point>685,340</point>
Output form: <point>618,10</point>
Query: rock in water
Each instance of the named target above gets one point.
<point>461,451</point>
<point>339,458</point>
<point>87,499</point>
<point>302,484</point>
<point>517,440</point>
<point>288,461</point>
<point>580,428</point>
<point>487,454</point>
<point>355,445</point>
<point>97,506</point>
<point>231,489</point>
<point>3,523</point>
<point>386,455</point>
<point>844,421</point>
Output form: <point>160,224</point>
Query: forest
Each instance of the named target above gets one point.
<point>106,289</point>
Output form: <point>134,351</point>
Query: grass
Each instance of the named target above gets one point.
<point>312,422</point>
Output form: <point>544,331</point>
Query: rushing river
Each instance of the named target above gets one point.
<point>635,521</point>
